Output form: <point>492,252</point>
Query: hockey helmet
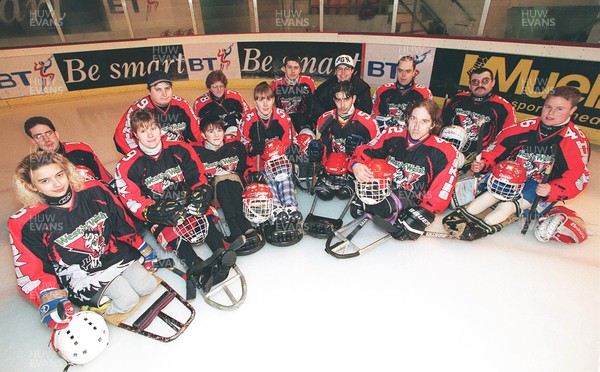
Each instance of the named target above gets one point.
<point>257,202</point>
<point>375,191</point>
<point>277,165</point>
<point>507,180</point>
<point>193,229</point>
<point>83,339</point>
<point>335,168</point>
<point>561,224</point>
<point>303,139</point>
<point>456,135</point>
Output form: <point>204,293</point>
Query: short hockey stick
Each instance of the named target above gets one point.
<point>536,199</point>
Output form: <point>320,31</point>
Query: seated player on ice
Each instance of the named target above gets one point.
<point>267,132</point>
<point>517,162</point>
<point>225,164</point>
<point>73,243</point>
<point>423,167</point>
<point>162,183</point>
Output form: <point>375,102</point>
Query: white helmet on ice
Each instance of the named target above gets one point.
<point>83,339</point>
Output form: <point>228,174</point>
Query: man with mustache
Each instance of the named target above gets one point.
<point>480,112</point>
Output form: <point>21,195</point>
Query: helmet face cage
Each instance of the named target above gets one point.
<point>507,180</point>
<point>84,339</point>
<point>258,209</point>
<point>193,230</point>
<point>278,168</point>
<point>456,135</point>
<point>374,192</point>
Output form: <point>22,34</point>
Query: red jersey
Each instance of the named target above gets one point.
<point>85,160</point>
<point>391,100</point>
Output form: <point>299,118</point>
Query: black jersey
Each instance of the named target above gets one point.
<point>489,115</point>
<point>231,107</point>
<point>392,99</point>
<point>227,159</point>
<point>323,97</point>
<point>85,160</point>
<point>294,99</point>
<point>81,248</point>
<point>425,171</point>
<point>333,131</point>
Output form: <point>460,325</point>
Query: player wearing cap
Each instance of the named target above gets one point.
<point>344,71</point>
<point>177,120</point>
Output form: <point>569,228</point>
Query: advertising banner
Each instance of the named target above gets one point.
<point>28,76</point>
<point>108,68</point>
<point>201,59</point>
<point>381,63</point>
<point>264,59</point>
<point>524,81</point>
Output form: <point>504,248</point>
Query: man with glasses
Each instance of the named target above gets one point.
<point>392,99</point>
<point>480,112</point>
<point>45,137</point>
<point>176,118</point>
<point>221,102</point>
<point>344,71</point>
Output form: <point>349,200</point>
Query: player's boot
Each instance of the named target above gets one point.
<point>219,271</point>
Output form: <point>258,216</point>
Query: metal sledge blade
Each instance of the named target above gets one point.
<point>230,300</point>
<point>345,248</point>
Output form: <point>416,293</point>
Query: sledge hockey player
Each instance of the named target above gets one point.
<point>73,243</point>
<point>268,134</point>
<point>225,103</point>
<point>479,112</point>
<point>175,116</point>
<point>293,93</point>
<point>392,99</point>
<point>45,137</point>
<point>340,130</point>
<point>162,183</point>
<point>424,175</point>
<point>344,71</point>
<point>225,165</point>
<point>550,144</point>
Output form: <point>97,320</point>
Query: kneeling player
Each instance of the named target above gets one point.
<point>424,171</point>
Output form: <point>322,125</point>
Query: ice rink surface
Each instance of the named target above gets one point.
<point>503,303</point>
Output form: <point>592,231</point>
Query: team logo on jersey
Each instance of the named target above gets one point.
<point>397,110</point>
<point>291,104</point>
<point>160,182</point>
<point>471,121</point>
<point>406,174</point>
<point>87,239</point>
<point>534,164</point>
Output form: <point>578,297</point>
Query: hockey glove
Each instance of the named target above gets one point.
<point>149,257</point>
<point>165,212</point>
<point>256,148</point>
<point>315,151</point>
<point>352,142</point>
<point>256,177</point>
<point>412,223</point>
<point>178,192</point>
<point>232,118</point>
<point>200,200</point>
<point>55,309</point>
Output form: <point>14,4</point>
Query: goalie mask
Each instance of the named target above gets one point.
<point>375,191</point>
<point>193,230</point>
<point>507,180</point>
<point>277,165</point>
<point>84,339</point>
<point>257,203</point>
<point>456,135</point>
<point>561,224</point>
<point>335,168</point>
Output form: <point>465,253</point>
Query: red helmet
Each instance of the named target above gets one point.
<point>336,163</point>
<point>507,180</point>
<point>303,139</point>
<point>257,202</point>
<point>380,187</point>
<point>277,165</point>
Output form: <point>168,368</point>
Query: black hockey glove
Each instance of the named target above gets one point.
<point>315,151</point>
<point>256,177</point>
<point>232,118</point>
<point>352,142</point>
<point>256,148</point>
<point>412,222</point>
<point>165,212</point>
<point>199,200</point>
<point>178,192</point>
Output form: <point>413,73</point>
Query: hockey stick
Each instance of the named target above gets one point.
<point>536,199</point>
<point>387,226</point>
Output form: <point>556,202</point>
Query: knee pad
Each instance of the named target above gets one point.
<point>344,193</point>
<point>323,192</point>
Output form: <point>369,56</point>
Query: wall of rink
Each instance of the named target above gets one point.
<point>525,71</point>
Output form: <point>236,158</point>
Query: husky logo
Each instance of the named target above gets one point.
<point>534,164</point>
<point>406,175</point>
<point>87,239</point>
